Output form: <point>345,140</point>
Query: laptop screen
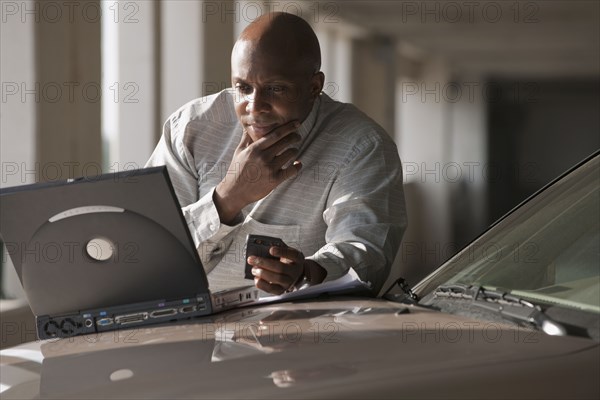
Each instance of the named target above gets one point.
<point>111,240</point>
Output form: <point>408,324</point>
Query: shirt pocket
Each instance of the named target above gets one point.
<point>290,234</point>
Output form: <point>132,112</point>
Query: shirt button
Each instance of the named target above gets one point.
<point>212,227</point>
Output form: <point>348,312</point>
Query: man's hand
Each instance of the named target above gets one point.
<point>277,276</point>
<point>256,169</point>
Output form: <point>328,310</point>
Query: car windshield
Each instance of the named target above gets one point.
<point>547,250</point>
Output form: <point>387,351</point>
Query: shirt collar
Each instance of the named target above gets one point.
<point>309,123</point>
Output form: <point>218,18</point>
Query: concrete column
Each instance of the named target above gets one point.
<point>337,58</point>
<point>68,77</point>
<point>19,97</point>
<point>217,39</point>
<point>466,168</point>
<point>423,137</point>
<point>181,66</point>
<point>196,41</point>
<point>132,91</point>
<point>373,71</point>
<point>18,158</point>
<point>442,137</point>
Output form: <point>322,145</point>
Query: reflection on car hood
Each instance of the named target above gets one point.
<point>352,348</point>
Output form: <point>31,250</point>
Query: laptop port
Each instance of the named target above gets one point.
<point>88,323</point>
<point>51,329</point>
<point>187,309</point>
<point>104,322</point>
<point>163,312</point>
<point>131,318</point>
<point>68,326</point>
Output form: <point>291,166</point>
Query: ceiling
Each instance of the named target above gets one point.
<point>500,38</point>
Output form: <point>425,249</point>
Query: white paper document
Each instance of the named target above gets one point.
<point>347,283</point>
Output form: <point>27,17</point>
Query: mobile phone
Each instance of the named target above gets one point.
<point>259,245</point>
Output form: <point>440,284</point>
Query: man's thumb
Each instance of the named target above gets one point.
<point>245,141</point>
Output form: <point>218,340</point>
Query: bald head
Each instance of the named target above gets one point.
<point>284,36</point>
<point>275,73</point>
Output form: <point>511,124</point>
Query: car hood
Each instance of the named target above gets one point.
<point>344,348</point>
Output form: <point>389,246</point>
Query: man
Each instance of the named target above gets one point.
<point>274,156</point>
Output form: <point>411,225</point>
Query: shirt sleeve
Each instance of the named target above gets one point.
<point>201,214</point>
<point>365,214</point>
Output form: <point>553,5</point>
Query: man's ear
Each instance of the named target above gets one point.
<point>317,83</point>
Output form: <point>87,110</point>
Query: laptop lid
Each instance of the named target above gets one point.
<point>111,240</point>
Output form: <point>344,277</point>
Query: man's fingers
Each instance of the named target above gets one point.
<point>277,134</point>
<point>272,266</point>
<point>284,158</point>
<point>271,277</point>
<point>270,281</point>
<point>289,141</point>
<point>287,252</point>
<point>277,275</point>
<point>269,287</point>
<point>245,141</point>
<point>290,172</point>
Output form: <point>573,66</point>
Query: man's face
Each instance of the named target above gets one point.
<point>270,89</point>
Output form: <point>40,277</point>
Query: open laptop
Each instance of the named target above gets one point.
<point>109,252</point>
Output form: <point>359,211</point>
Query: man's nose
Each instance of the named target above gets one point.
<point>258,102</point>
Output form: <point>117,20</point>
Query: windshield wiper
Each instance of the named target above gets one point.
<point>504,304</point>
<point>406,297</point>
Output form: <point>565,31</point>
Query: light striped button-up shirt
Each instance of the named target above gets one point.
<point>344,210</point>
